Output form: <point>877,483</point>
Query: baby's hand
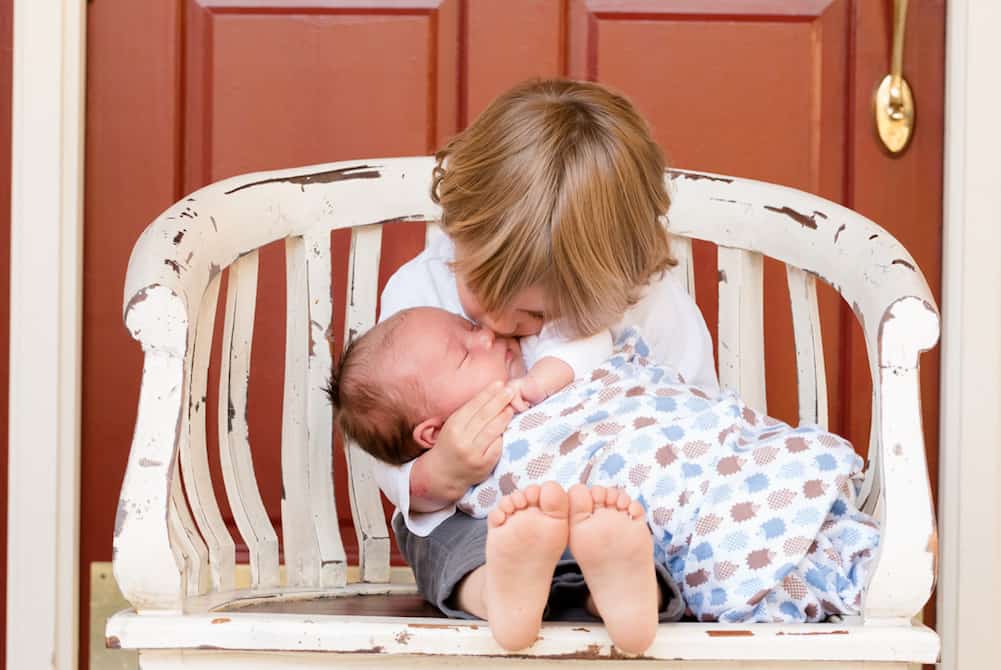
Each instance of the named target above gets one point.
<point>526,392</point>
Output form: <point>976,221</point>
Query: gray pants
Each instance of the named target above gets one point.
<point>458,546</point>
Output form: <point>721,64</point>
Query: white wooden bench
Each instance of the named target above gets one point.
<point>174,557</point>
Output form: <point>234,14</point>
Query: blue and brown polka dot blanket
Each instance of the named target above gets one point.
<point>755,520</point>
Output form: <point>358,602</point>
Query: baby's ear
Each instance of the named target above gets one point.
<point>427,431</point>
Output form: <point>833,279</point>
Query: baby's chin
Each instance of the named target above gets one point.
<point>516,365</point>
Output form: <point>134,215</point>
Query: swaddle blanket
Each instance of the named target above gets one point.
<point>755,520</point>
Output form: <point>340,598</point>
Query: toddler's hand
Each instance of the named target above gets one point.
<point>469,444</point>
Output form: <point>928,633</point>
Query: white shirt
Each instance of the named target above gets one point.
<point>666,315</point>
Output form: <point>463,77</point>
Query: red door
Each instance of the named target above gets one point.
<point>184,93</point>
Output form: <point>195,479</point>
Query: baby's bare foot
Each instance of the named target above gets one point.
<point>611,542</point>
<point>526,535</point>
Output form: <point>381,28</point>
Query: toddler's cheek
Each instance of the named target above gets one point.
<point>531,328</point>
<point>502,325</point>
<point>469,302</point>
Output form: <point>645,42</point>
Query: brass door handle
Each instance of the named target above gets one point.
<point>894,104</point>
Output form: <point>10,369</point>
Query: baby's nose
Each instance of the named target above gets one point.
<point>482,338</point>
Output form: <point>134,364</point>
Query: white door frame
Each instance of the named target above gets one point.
<point>970,452</point>
<point>45,333</point>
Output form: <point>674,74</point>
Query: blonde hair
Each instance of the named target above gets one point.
<point>557,184</point>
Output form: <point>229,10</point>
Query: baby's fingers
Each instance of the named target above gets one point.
<point>520,404</point>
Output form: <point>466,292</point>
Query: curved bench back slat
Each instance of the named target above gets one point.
<point>741,325</point>
<point>188,546</point>
<point>235,459</point>
<point>302,552</point>
<point>366,504</point>
<point>194,451</point>
<point>318,316</point>
<point>811,374</point>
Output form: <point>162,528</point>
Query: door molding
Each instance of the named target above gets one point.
<point>45,333</point>
<point>970,457</point>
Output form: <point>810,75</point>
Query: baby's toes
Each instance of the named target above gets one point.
<point>532,494</point>
<point>497,517</point>
<point>600,495</point>
<point>636,510</point>
<point>613,496</point>
<point>506,505</point>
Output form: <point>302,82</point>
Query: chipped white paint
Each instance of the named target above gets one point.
<point>681,249</point>
<point>215,660</point>
<point>443,637</point>
<point>182,253</point>
<point>741,325</point>
<point>146,569</point>
<point>811,375</point>
<point>235,458</point>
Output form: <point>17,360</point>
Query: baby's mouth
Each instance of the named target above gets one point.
<point>512,357</point>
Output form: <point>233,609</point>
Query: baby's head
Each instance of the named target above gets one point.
<point>555,192</point>
<point>395,386</point>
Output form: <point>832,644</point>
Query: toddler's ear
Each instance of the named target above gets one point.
<point>427,431</point>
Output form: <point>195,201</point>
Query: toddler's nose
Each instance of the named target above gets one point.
<point>502,323</point>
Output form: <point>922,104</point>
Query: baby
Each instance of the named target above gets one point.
<point>395,387</point>
<point>755,520</point>
<point>422,365</point>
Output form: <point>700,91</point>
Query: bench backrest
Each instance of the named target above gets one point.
<point>171,542</point>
